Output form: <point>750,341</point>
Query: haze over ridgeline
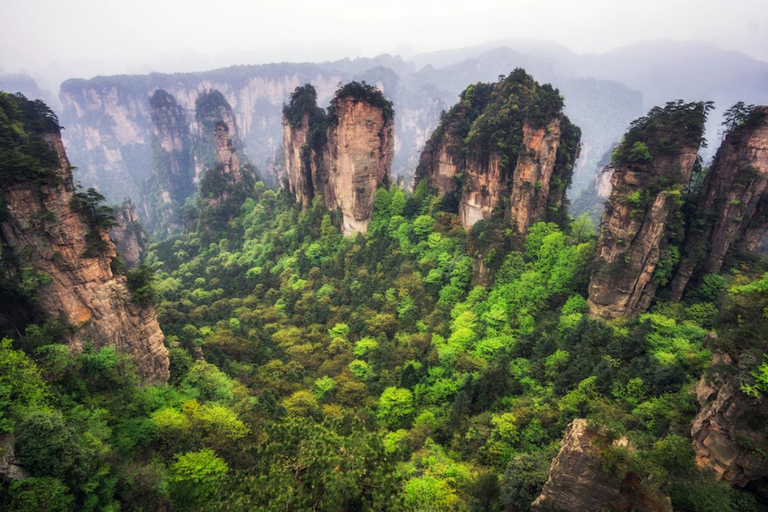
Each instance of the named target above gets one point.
<point>603,93</point>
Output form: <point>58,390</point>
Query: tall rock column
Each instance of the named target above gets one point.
<point>56,245</point>
<point>733,208</point>
<point>652,165</point>
<point>222,167</point>
<point>359,154</point>
<point>171,180</point>
<point>130,238</point>
<point>533,173</point>
<point>343,156</point>
<point>508,140</point>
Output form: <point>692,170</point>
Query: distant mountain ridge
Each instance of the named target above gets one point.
<point>109,128</point>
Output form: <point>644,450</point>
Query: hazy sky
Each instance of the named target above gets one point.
<point>139,35</point>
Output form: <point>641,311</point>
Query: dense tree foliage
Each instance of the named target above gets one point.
<point>415,367</point>
<point>24,155</point>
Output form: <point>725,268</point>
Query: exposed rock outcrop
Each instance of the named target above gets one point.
<point>359,155</point>
<point>350,160</point>
<point>732,211</point>
<point>504,143</point>
<point>651,167</point>
<point>577,481</point>
<point>109,128</point>
<point>299,160</point>
<point>9,469</point>
<point>220,151</point>
<point>172,176</point>
<point>730,431</point>
<point>130,238</point>
<point>56,246</point>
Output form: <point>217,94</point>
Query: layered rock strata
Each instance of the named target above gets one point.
<point>577,481</point>
<point>651,167</point>
<point>732,211</point>
<point>348,160</point>
<point>52,242</point>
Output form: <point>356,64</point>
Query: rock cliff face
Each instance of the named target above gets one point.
<point>577,481</point>
<point>130,238</point>
<point>732,212</point>
<point>729,431</point>
<point>504,143</point>
<point>651,167</point>
<point>220,151</point>
<point>172,176</point>
<point>109,120</point>
<point>358,157</point>
<point>50,239</point>
<point>343,157</point>
<point>299,160</point>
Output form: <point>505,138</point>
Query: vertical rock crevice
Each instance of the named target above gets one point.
<point>504,147</point>
<point>49,236</point>
<point>343,155</point>
<point>652,166</point>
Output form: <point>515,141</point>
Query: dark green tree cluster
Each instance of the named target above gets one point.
<point>361,91</point>
<point>662,131</point>
<point>24,155</point>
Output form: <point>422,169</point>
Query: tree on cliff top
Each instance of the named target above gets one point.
<point>24,155</point>
<point>663,131</point>
<point>361,91</point>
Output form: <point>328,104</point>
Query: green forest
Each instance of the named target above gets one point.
<point>416,367</point>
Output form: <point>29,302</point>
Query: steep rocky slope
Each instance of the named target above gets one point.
<point>226,175</point>
<point>130,238</point>
<point>57,251</point>
<point>651,167</point>
<point>173,168</point>
<point>729,432</point>
<point>504,143</point>
<point>347,163</point>
<point>732,210</point>
<point>578,481</point>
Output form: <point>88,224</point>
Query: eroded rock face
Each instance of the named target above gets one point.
<point>130,238</point>
<point>634,230</point>
<point>482,191</point>
<point>299,161</point>
<point>440,163</point>
<point>729,431</point>
<point>9,469</point>
<point>50,238</point>
<point>358,158</point>
<point>732,212</point>
<point>500,144</point>
<point>172,176</point>
<point>577,481</point>
<point>533,174</point>
<point>343,157</point>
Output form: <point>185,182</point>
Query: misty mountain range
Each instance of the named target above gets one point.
<point>603,93</point>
